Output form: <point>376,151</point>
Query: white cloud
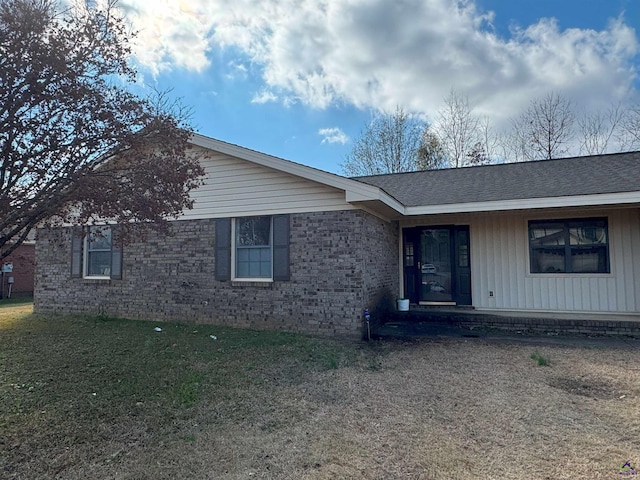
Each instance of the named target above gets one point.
<point>382,53</point>
<point>333,135</point>
<point>236,70</point>
<point>170,33</point>
<point>264,96</point>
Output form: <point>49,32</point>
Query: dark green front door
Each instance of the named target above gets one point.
<point>437,267</point>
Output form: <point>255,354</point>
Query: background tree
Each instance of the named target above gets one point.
<point>630,128</point>
<point>390,143</point>
<point>431,154</point>
<point>465,138</point>
<point>75,144</point>
<point>543,131</point>
<point>598,129</point>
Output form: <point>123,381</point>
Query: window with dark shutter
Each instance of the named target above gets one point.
<point>77,240</point>
<point>252,248</point>
<point>281,271</point>
<point>98,254</point>
<point>98,243</point>
<point>116,255</point>
<point>223,249</point>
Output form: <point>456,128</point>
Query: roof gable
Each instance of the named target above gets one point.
<point>356,193</point>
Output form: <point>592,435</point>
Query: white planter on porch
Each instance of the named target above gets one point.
<point>403,304</point>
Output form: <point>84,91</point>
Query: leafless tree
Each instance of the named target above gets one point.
<point>390,143</point>
<point>75,143</point>
<point>543,131</point>
<point>598,129</point>
<point>466,138</point>
<point>630,128</point>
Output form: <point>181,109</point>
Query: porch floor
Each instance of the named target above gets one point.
<point>464,321</point>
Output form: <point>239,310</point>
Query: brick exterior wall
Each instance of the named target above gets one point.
<point>23,260</point>
<point>340,262</point>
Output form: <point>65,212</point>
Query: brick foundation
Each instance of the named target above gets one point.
<point>341,263</point>
<point>528,325</point>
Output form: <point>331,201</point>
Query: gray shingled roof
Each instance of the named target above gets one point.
<point>612,173</point>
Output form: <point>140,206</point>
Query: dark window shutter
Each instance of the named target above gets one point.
<point>116,255</point>
<point>77,240</point>
<point>223,249</point>
<point>281,248</point>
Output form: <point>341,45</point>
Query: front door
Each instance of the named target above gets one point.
<point>437,267</point>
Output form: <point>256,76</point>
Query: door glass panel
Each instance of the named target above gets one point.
<point>435,269</point>
<point>408,255</point>
<point>463,249</point>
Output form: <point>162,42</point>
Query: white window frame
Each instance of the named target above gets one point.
<point>234,246</point>
<point>85,255</point>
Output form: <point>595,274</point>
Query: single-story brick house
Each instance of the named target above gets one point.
<point>275,244</point>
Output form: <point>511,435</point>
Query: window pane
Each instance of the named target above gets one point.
<point>99,263</point>
<point>547,260</point>
<point>253,262</point>
<point>243,255</point>
<point>408,255</point>
<point>588,235</point>
<point>253,231</point>
<point>589,260</point>
<point>254,269</point>
<point>99,238</point>
<point>265,269</point>
<point>254,255</point>
<point>546,235</point>
<point>242,269</point>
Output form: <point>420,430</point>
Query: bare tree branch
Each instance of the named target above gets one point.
<point>630,129</point>
<point>465,138</point>
<point>390,143</point>
<point>543,131</point>
<point>598,128</point>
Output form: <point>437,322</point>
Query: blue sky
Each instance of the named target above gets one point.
<point>299,79</point>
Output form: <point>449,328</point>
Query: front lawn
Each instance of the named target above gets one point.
<point>87,397</point>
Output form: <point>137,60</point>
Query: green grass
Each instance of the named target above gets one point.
<point>12,302</point>
<point>125,361</point>
<point>540,360</point>
<point>101,371</point>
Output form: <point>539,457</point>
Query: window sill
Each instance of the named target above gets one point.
<point>252,282</point>
<point>98,278</point>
